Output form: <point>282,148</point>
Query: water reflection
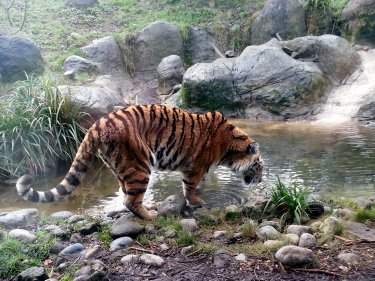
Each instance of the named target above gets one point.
<point>337,160</point>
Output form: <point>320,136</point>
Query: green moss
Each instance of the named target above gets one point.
<point>105,237</point>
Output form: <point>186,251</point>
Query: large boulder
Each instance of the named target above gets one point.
<point>358,19</point>
<point>283,17</point>
<point>200,46</point>
<point>81,4</point>
<point>18,57</point>
<point>155,42</point>
<point>170,72</point>
<point>79,65</point>
<point>366,114</point>
<point>274,80</point>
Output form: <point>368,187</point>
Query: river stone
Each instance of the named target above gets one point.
<point>18,57</point>
<point>222,258</point>
<point>292,238</point>
<point>153,260</point>
<point>120,244</point>
<point>364,203</point>
<point>359,231</point>
<point>95,270</point>
<point>18,218</point>
<point>273,243</point>
<point>307,240</point>
<point>298,229</point>
<point>285,17</point>
<point>206,218</point>
<point>153,43</point>
<point>294,255</point>
<point>129,259</point>
<point>88,228</point>
<point>189,224</point>
<point>23,235</point>
<point>75,218</point>
<point>123,226</point>
<point>315,226</point>
<point>57,231</point>
<point>240,257</point>
<point>79,65</point>
<point>267,233</point>
<point>63,215</point>
<point>76,238</point>
<point>81,4</point>
<point>275,224</point>
<point>349,258</point>
<point>254,207</point>
<point>73,249</point>
<point>200,46</point>
<point>92,252</point>
<point>33,274</point>
<point>366,114</point>
<point>170,72</point>
<point>187,250</point>
<point>330,225</point>
<point>172,205</point>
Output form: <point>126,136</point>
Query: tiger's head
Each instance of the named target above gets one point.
<point>243,157</point>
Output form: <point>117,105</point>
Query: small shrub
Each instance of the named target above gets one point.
<point>185,238</point>
<point>249,229</point>
<point>105,237</point>
<point>363,215</point>
<point>144,239</point>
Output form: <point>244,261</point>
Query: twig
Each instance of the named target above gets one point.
<point>282,267</point>
<point>141,249</point>
<point>343,238</point>
<point>317,271</point>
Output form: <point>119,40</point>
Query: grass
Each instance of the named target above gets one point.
<point>183,237</point>
<point>362,215</point>
<point>105,237</point>
<point>38,128</point>
<point>248,229</point>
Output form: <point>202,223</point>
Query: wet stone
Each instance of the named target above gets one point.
<point>23,235</point>
<point>120,244</point>
<point>63,215</point>
<point>125,227</point>
<point>33,274</point>
<point>73,249</point>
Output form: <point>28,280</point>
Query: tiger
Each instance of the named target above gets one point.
<point>137,139</point>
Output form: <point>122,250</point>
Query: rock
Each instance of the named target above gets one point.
<point>153,260</point>
<point>76,238</point>
<point>275,224</point>
<point>344,213</point>
<point>23,235</point>
<point>92,252</point>
<point>349,258</point>
<point>125,227</point>
<point>63,215</point>
<point>364,203</point>
<point>314,210</point>
<point>120,243</point>
<point>3,235</point>
<point>88,228</point>
<point>95,270</point>
<point>155,42</point>
<point>170,72</point>
<point>307,240</point>
<point>17,57</point>
<point>150,205</point>
<point>273,243</point>
<point>81,4</point>
<point>283,17</point>
<point>330,226</point>
<point>187,250</point>
<point>232,212</point>
<point>169,232</point>
<point>254,207</point>
<point>358,21</point>
<point>240,257</point>
<point>200,46</point>
<point>366,114</point>
<point>57,231</point>
<point>172,205</point>
<point>164,247</point>
<point>79,65</point>
<point>129,259</point>
<point>315,226</point>
<point>267,233</point>
<point>222,258</point>
<point>359,231</point>
<point>292,238</point>
<point>75,219</point>
<point>33,274</point>
<point>57,247</point>
<point>189,224</point>
<point>298,229</point>
<point>73,249</point>
<point>206,218</point>
<point>219,233</point>
<point>18,218</point>
<point>294,255</point>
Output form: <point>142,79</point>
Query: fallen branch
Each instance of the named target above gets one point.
<point>317,271</point>
<point>343,239</point>
<point>141,249</point>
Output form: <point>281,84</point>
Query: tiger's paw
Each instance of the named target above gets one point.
<point>196,201</point>
<point>151,215</point>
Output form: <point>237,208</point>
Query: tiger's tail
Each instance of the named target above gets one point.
<point>81,164</point>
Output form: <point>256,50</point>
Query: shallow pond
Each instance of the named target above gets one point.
<point>338,160</point>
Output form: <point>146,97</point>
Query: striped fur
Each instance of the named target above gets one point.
<point>136,139</point>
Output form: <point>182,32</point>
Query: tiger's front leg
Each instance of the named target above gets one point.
<point>190,189</point>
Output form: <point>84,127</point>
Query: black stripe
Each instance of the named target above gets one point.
<point>62,190</point>
<point>72,179</point>
<point>135,192</point>
<point>187,182</point>
<point>143,181</point>
<point>49,196</point>
<point>81,167</point>
<point>34,196</point>
<point>24,192</point>
<point>242,137</point>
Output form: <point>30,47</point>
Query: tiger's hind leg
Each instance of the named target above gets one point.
<point>190,189</point>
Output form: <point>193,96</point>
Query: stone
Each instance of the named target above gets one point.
<point>273,243</point>
<point>349,258</point>
<point>81,4</point>
<point>3,235</point>
<point>219,233</point>
<point>275,224</point>
<point>76,238</point>
<point>164,247</point>
<point>63,215</point>
<point>123,226</point>
<point>20,218</point>
<point>232,212</point>
<point>366,114</point>
<point>206,218</point>
<point>23,235</point>
<point>169,232</point>
<point>293,239</point>
<point>153,260</point>
<point>88,228</point>
<point>189,224</point>
<point>344,213</point>
<point>17,57</point>
<point>73,249</point>
<point>150,205</point>
<point>78,65</point>
<point>172,205</point>
<point>315,226</point>
<point>33,274</point>
<point>94,270</point>
<point>170,72</point>
<point>75,218</point>
<point>298,229</point>
<point>91,252</point>
<point>129,259</point>
<point>240,257</point>
<point>359,231</point>
<point>364,203</point>
<point>222,258</point>
<point>307,240</point>
<point>153,43</point>
<point>254,207</point>
<point>330,226</point>
<point>294,256</point>
<point>120,243</point>
<point>284,18</point>
<point>267,233</point>
<point>187,250</point>
<point>57,247</point>
<point>200,46</point>
<point>57,231</point>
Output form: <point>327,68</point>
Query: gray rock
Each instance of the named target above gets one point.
<point>81,4</point>
<point>200,46</point>
<point>17,57</point>
<point>92,252</point>
<point>267,233</point>
<point>164,247</point>
<point>63,215</point>
<point>18,218</point>
<point>153,260</point>
<point>293,239</point>
<point>75,218</point>
<point>172,205</point>
<point>79,65</point>
<point>170,72</point>
<point>189,224</point>
<point>330,225</point>
<point>219,233</point>
<point>364,203</point>
<point>3,235</point>
<point>76,238</point>
<point>307,240</point>
<point>254,207</point>
<point>222,258</point>
<point>125,227</point>
<point>275,224</point>
<point>88,228</point>
<point>283,17</point>
<point>23,235</point>
<point>129,259</point>
<point>186,250</point>
<point>349,258</point>
<point>240,257</point>
<point>150,205</point>
<point>344,213</point>
<point>232,212</point>
<point>155,42</point>
<point>95,270</point>
<point>73,249</point>
<point>206,218</point>
<point>273,243</point>
<point>359,231</point>
<point>120,244</point>
<point>57,231</point>
<point>366,114</point>
<point>298,229</point>
<point>169,232</point>
<point>294,255</point>
<point>33,274</point>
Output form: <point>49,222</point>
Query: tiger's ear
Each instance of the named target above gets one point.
<point>252,148</point>
<point>238,134</point>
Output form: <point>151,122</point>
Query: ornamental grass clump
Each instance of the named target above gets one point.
<point>38,128</point>
<point>290,201</point>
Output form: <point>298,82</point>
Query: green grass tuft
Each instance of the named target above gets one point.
<point>363,215</point>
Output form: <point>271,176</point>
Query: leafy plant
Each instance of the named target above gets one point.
<point>290,200</point>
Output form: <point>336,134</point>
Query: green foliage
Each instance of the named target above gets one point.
<point>183,237</point>
<point>38,128</point>
<point>290,200</point>
<point>363,215</point>
<point>248,229</point>
<point>144,239</point>
<point>105,236</point>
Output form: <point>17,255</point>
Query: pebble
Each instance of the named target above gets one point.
<point>88,228</point>
<point>298,229</point>
<point>73,249</point>
<point>58,231</point>
<point>63,215</point>
<point>164,247</point>
<point>129,259</point>
<point>123,226</point>
<point>267,232</point>
<point>293,239</point>
<point>272,243</point>
<point>222,258</point>
<point>219,233</point>
<point>76,238</point>
<point>307,240</point>
<point>186,250</point>
<point>294,255</point>
<point>91,252</point>
<point>75,218</point>
<point>189,224</point>
<point>23,235</point>
<point>120,244</point>
<point>153,260</point>
<point>240,257</point>
<point>349,258</point>
<point>33,273</point>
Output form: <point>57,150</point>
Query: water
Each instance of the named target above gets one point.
<point>335,160</point>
